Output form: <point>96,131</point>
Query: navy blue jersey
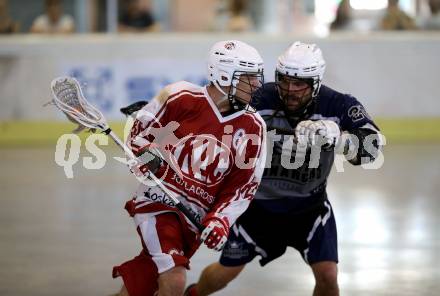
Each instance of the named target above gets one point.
<point>284,188</point>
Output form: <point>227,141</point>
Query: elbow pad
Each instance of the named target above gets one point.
<point>367,147</point>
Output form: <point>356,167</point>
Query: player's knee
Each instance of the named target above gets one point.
<point>172,282</point>
<point>326,274</point>
<point>216,276</point>
<point>123,291</point>
<point>225,274</point>
<point>231,273</point>
<point>327,278</point>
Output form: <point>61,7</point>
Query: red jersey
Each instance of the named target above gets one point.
<point>214,162</point>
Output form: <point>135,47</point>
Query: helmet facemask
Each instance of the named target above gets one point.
<point>297,93</point>
<point>244,90</point>
<point>301,64</point>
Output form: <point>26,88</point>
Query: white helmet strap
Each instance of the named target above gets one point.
<point>234,83</point>
<point>219,88</point>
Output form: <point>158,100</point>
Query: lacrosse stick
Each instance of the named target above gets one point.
<point>281,130</point>
<point>68,97</point>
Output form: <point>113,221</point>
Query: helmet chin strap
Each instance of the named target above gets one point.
<point>225,95</point>
<point>233,102</point>
<point>218,87</point>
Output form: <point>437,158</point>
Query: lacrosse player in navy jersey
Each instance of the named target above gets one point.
<point>291,208</point>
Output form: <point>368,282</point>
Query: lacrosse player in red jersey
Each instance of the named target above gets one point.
<point>212,155</point>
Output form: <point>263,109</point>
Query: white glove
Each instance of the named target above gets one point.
<point>310,132</point>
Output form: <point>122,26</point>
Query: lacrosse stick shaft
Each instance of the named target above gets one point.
<point>118,142</point>
<point>282,131</point>
<point>168,192</point>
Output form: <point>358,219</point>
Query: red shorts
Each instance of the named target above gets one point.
<point>166,242</point>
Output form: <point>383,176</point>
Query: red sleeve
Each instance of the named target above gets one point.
<point>240,186</point>
<point>152,116</point>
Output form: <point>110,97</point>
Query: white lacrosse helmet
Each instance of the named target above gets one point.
<point>228,60</point>
<point>305,61</point>
<point>227,57</point>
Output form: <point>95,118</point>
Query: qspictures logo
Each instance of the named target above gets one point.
<point>205,159</point>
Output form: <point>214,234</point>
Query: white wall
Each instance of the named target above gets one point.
<point>393,75</point>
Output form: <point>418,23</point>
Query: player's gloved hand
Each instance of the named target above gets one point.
<point>148,159</point>
<point>215,233</point>
<point>312,132</point>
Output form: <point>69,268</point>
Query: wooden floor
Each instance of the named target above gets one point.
<point>62,236</point>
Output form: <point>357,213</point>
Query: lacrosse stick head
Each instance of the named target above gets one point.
<point>69,98</point>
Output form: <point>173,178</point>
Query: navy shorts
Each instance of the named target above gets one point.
<point>267,234</point>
